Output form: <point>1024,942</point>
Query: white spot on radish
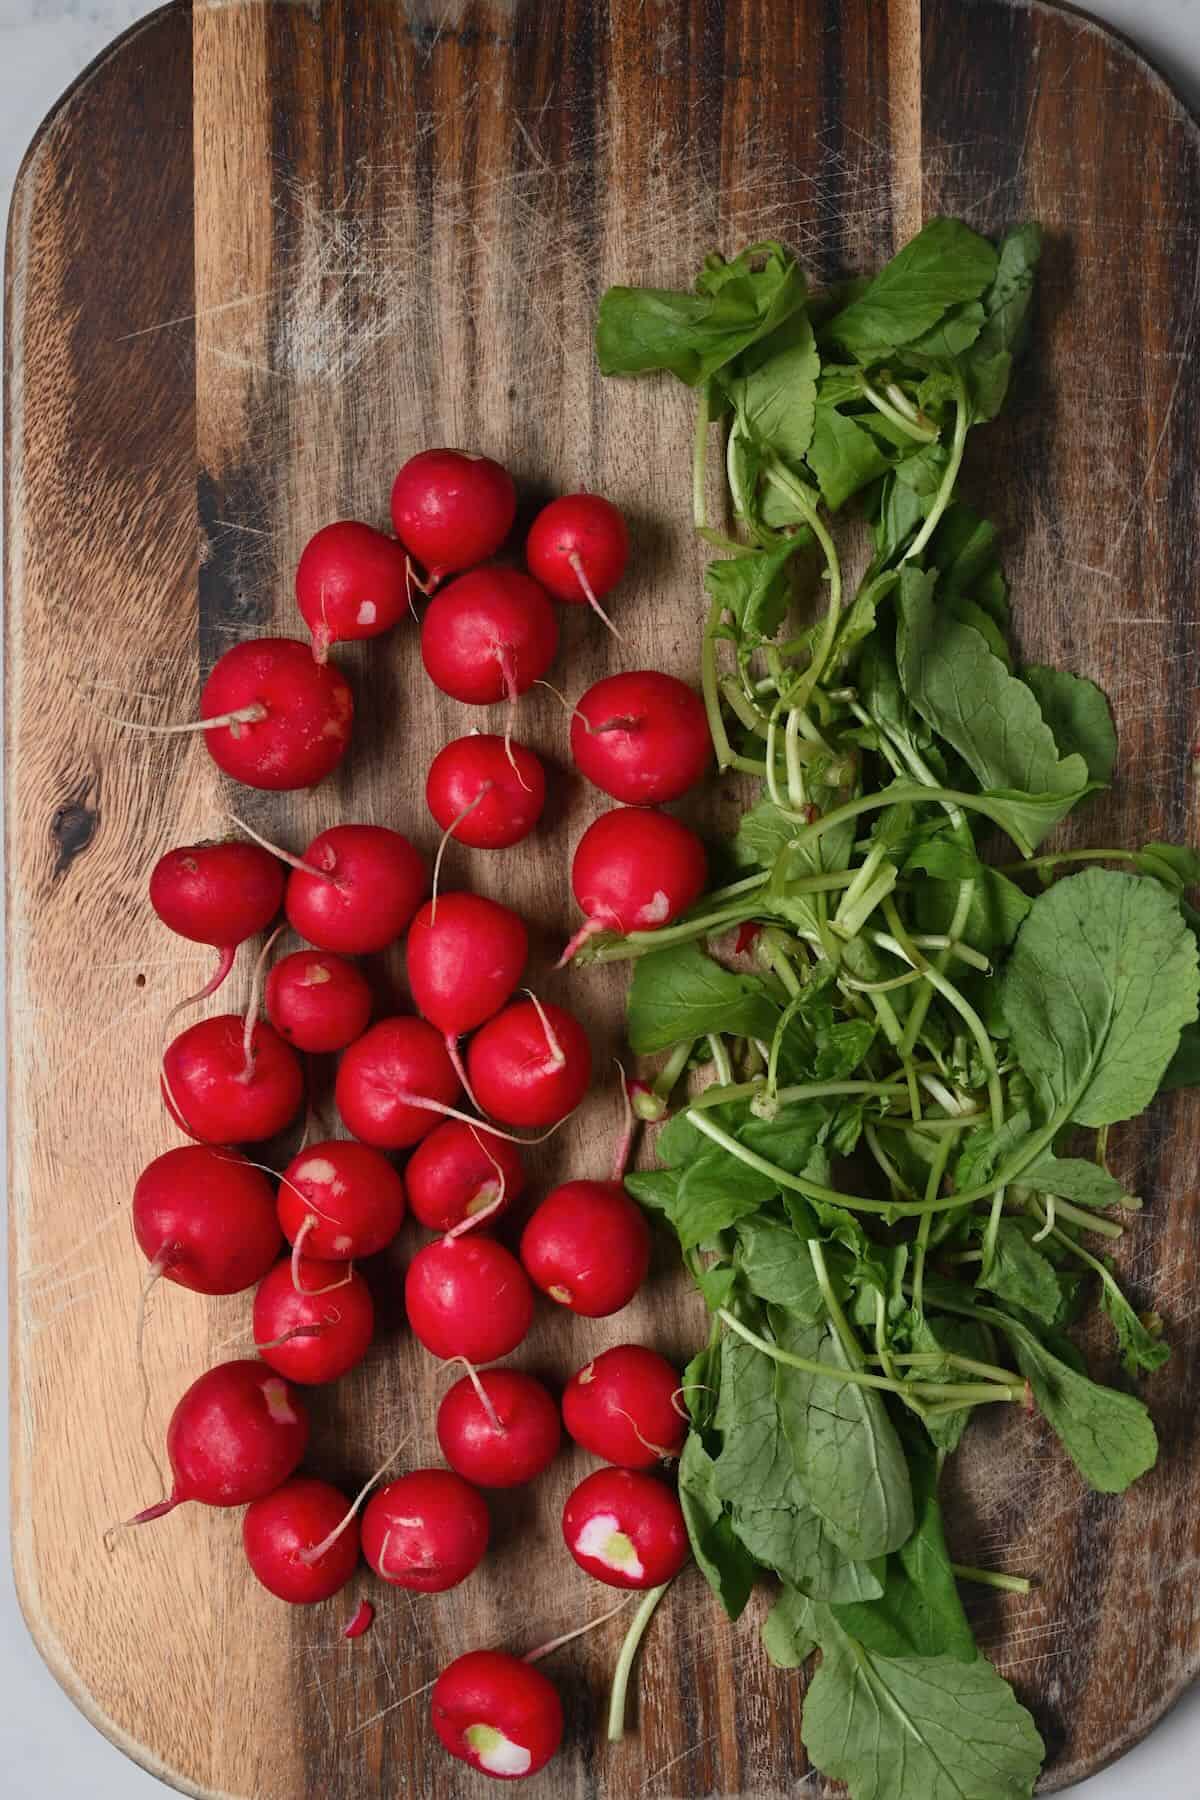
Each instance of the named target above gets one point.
<point>317,1168</point>
<point>495,1752</point>
<point>656,911</point>
<point>316,975</point>
<point>603,1540</point>
<point>276,1396</point>
<point>367,613</point>
<point>343,1245</point>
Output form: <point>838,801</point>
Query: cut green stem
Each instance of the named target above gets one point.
<point>625,1661</point>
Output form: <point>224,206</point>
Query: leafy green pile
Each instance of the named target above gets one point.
<point>881,1194</point>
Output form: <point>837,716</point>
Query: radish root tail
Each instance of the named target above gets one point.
<point>587,930</point>
<point>576,562</point>
<point>481,1393</point>
<point>226,957</point>
<point>317,1552</point>
<point>558,1057</point>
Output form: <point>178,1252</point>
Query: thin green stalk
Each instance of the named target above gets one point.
<point>937,1169</point>
<point>897,795</point>
<point>821,1090</point>
<point>773,787</point>
<point>664,1082</point>
<point>746,711</point>
<point>966,1123</point>
<point>961,1393</point>
<point>1032,863</point>
<point>720,1058</point>
<point>1008,1584</point>
<point>786,482</point>
<point>700,459</point>
<point>895,1179</point>
<point>625,1661</point>
<point>711,691</point>
<point>719,1095</point>
<point>962,420</point>
<point>924,434</point>
<point>980,1397</point>
<point>797,790</point>
<point>833,1306</point>
<point>939,1358</point>
<point>775,954</point>
<point>883,1355</point>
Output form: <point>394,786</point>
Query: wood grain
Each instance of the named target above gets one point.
<point>258,255</point>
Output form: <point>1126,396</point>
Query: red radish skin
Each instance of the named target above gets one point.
<point>459,1172</point>
<point>588,1247</point>
<point>488,636</point>
<point>216,1097</point>
<point>298,714</point>
<point>452,509</point>
<point>366,884</point>
<point>425,1531</point>
<point>362,1621</point>
<point>317,1001</point>
<point>351,582</point>
<point>498,1714</point>
<point>626,1529</point>
<point>381,1075</point>
<point>346,1199</point>
<point>333,1300</point>
<point>519,1075</point>
<point>578,548</point>
<point>621,1406</point>
<point>205,1218</point>
<point>465,955</point>
<point>280,1527</point>
<point>505,797</point>
<point>468,1297</point>
<point>635,871</point>
<point>218,894</point>
<point>506,1442</point>
<point>641,737</point>
<point>237,1433</point>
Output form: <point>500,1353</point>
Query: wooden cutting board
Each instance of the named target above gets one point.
<point>258,255</point>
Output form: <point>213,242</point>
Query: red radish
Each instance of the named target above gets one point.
<point>626,1529</point>
<point>205,1219</point>
<point>355,888</point>
<point>488,636</point>
<point>280,1527</point>
<point>237,1433</point>
<point>393,1082</point>
<point>339,1200</point>
<point>504,790</point>
<point>621,1406</point>
<point>500,1715</point>
<point>351,582</point>
<point>588,1247</point>
<point>452,509</point>
<point>468,1297</point>
<point>274,718</point>
<point>362,1621</point>
<point>635,871</point>
<point>317,1001</point>
<point>578,547</point>
<point>465,956</point>
<point>530,1064</point>
<point>641,737</point>
<point>330,1310</point>
<point>219,1096</point>
<point>426,1531</point>
<point>461,1173</point>
<point>218,894</point>
<point>498,1429</point>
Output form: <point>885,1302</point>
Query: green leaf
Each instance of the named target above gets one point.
<point>790,1139</point>
<point>963,551</point>
<point>1141,1345</point>
<point>842,456</point>
<point>1183,1070</point>
<point>755,588</point>
<point>1007,304</point>
<point>1077,712</point>
<point>787,1630</point>
<point>955,332</point>
<point>988,1146</point>
<point>723,1560</point>
<point>694,335</point>
<point>1175,864</point>
<point>715,1191</point>
<point>846,1451</point>
<point>1076,1179</point>
<point>957,1337</point>
<point>679,994</point>
<point>1108,1435</point>
<point>773,389</point>
<point>779,1269</point>
<point>1022,1276</point>
<point>1100,982</point>
<point>1028,817</point>
<point>944,264</point>
<point>899,1728</point>
<point>763,834</point>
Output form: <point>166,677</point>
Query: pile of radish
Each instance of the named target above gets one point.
<point>481,1059</point>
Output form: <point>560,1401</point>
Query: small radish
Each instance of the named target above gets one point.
<point>351,582</point>
<point>317,1001</point>
<point>219,1095</point>
<point>498,1429</point>
<point>488,636</point>
<point>339,1201</point>
<point>237,1433</point>
<point>452,509</point>
<point>578,548</point>
<point>468,1297</point>
<point>530,1064</point>
<point>329,1310</point>
<point>621,1406</point>
<point>218,894</point>
<point>634,871</point>
<point>355,888</point>
<point>483,795</point>
<point>459,1174</point>
<point>393,1082</point>
<point>464,955</point>
<point>626,1529</point>
<point>273,717</point>
<point>588,1246</point>
<point>205,1219</point>
<point>280,1527</point>
<point>498,1714</point>
<point>641,737</point>
<point>425,1531</point>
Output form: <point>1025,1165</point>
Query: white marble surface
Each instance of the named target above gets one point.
<point>48,1749</point>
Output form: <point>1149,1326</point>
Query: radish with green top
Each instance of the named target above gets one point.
<point>426,1531</point>
<point>279,1529</point>
<point>351,582</point>
<point>498,1714</point>
<point>626,1529</point>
